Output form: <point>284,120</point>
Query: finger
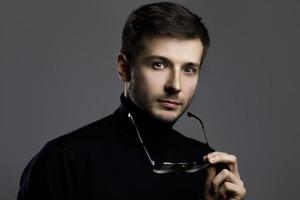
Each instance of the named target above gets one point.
<point>221,157</point>
<point>230,190</point>
<point>225,176</point>
<point>210,173</point>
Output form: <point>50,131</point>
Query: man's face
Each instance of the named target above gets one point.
<point>165,75</point>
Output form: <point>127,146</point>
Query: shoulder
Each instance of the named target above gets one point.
<point>76,146</point>
<point>82,137</point>
<point>70,149</point>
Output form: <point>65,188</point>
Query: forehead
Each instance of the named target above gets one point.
<point>176,50</point>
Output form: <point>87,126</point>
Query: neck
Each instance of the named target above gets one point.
<point>152,130</point>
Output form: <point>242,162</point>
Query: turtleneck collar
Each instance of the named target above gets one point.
<point>150,128</point>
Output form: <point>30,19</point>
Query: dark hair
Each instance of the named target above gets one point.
<point>161,19</point>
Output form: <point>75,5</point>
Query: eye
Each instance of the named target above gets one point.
<point>190,69</point>
<point>159,65</point>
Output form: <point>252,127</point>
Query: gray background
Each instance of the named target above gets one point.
<point>58,73</point>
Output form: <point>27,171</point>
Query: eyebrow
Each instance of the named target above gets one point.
<point>165,59</point>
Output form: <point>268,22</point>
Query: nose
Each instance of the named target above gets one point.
<point>173,84</point>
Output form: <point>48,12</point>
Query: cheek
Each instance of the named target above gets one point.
<point>153,82</point>
<point>190,86</point>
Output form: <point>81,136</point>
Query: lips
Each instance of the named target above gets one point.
<point>169,103</point>
<point>172,101</point>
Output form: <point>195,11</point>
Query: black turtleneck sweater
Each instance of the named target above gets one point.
<point>105,160</point>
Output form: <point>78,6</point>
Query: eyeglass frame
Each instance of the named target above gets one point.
<point>188,167</point>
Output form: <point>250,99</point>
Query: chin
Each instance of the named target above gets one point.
<point>166,117</point>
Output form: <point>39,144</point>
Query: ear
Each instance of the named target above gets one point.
<point>123,68</point>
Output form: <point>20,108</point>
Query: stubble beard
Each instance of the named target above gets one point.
<point>153,108</point>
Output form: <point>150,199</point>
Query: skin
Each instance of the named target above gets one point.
<point>226,184</point>
<point>164,77</point>
<point>162,82</point>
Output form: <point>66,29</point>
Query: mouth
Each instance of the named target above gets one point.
<point>169,104</point>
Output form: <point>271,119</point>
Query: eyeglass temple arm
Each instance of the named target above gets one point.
<point>194,116</point>
<point>140,138</point>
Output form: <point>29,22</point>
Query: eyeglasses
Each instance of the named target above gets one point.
<point>167,167</point>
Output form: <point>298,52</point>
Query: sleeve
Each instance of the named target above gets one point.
<point>50,175</point>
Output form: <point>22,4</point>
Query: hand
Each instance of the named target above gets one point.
<point>224,184</point>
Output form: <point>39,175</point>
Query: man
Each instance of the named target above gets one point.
<point>134,153</point>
